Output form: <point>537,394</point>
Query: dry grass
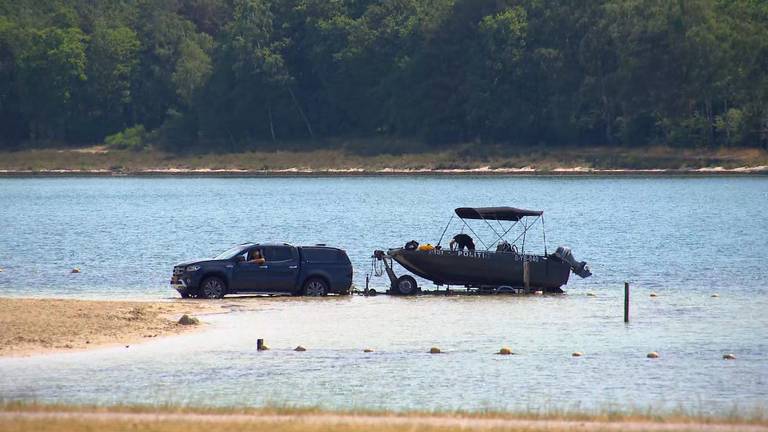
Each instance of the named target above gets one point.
<point>32,326</point>
<point>173,419</point>
<point>76,425</point>
<point>755,416</point>
<point>372,156</point>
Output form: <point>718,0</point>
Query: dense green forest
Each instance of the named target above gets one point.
<point>224,74</point>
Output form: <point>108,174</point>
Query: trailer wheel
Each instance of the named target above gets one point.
<point>405,285</point>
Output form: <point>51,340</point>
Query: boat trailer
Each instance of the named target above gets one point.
<point>407,285</point>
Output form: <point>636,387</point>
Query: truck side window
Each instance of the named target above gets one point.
<point>255,254</point>
<point>279,253</point>
<point>318,255</point>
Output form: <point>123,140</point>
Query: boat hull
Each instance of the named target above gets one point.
<point>483,268</point>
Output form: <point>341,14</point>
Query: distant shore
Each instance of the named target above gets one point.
<point>299,172</point>
<point>39,326</point>
<point>467,161</point>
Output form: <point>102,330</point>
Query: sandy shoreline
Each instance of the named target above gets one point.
<point>361,172</point>
<point>39,326</point>
<point>360,159</point>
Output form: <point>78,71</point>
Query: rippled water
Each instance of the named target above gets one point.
<point>683,238</point>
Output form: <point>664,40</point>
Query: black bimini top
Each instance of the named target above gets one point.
<point>496,213</point>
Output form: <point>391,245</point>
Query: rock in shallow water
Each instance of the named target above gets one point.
<point>188,320</point>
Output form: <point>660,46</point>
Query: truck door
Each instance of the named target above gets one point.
<point>250,276</point>
<point>283,268</point>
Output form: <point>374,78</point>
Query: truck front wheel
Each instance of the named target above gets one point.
<point>212,287</point>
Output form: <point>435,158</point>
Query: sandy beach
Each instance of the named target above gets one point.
<point>38,326</point>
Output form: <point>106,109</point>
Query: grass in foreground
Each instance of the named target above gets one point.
<point>73,424</point>
<point>146,418</point>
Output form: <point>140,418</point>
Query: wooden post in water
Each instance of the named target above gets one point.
<point>526,275</point>
<point>366,284</point>
<point>626,302</point>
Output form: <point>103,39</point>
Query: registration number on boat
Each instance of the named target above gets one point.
<point>471,254</point>
<point>483,255</point>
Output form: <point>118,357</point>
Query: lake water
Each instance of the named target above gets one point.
<point>682,238</point>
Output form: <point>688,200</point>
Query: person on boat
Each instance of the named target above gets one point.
<point>461,241</point>
<point>504,246</point>
<point>256,257</point>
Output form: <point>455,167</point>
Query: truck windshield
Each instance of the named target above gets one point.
<point>230,253</point>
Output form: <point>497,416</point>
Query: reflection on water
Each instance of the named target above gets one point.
<point>683,238</point>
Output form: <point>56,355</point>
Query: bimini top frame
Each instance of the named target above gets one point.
<point>495,213</point>
<point>499,214</point>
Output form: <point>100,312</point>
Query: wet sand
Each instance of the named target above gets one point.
<point>39,326</point>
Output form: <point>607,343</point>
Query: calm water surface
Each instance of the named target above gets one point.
<point>683,238</point>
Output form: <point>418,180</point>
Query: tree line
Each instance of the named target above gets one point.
<point>220,74</point>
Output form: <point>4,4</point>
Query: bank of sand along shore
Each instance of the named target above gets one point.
<point>38,326</point>
<point>343,161</point>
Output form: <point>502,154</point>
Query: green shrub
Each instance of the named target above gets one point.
<point>133,138</point>
<point>732,126</point>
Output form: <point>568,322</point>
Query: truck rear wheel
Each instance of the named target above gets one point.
<point>315,287</point>
<point>212,288</point>
<point>405,285</point>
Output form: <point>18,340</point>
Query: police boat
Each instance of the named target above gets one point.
<point>501,266</point>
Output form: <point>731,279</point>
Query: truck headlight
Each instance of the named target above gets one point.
<point>193,268</point>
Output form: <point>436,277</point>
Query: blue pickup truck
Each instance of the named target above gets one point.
<point>266,268</point>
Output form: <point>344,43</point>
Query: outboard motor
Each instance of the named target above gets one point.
<point>580,268</point>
